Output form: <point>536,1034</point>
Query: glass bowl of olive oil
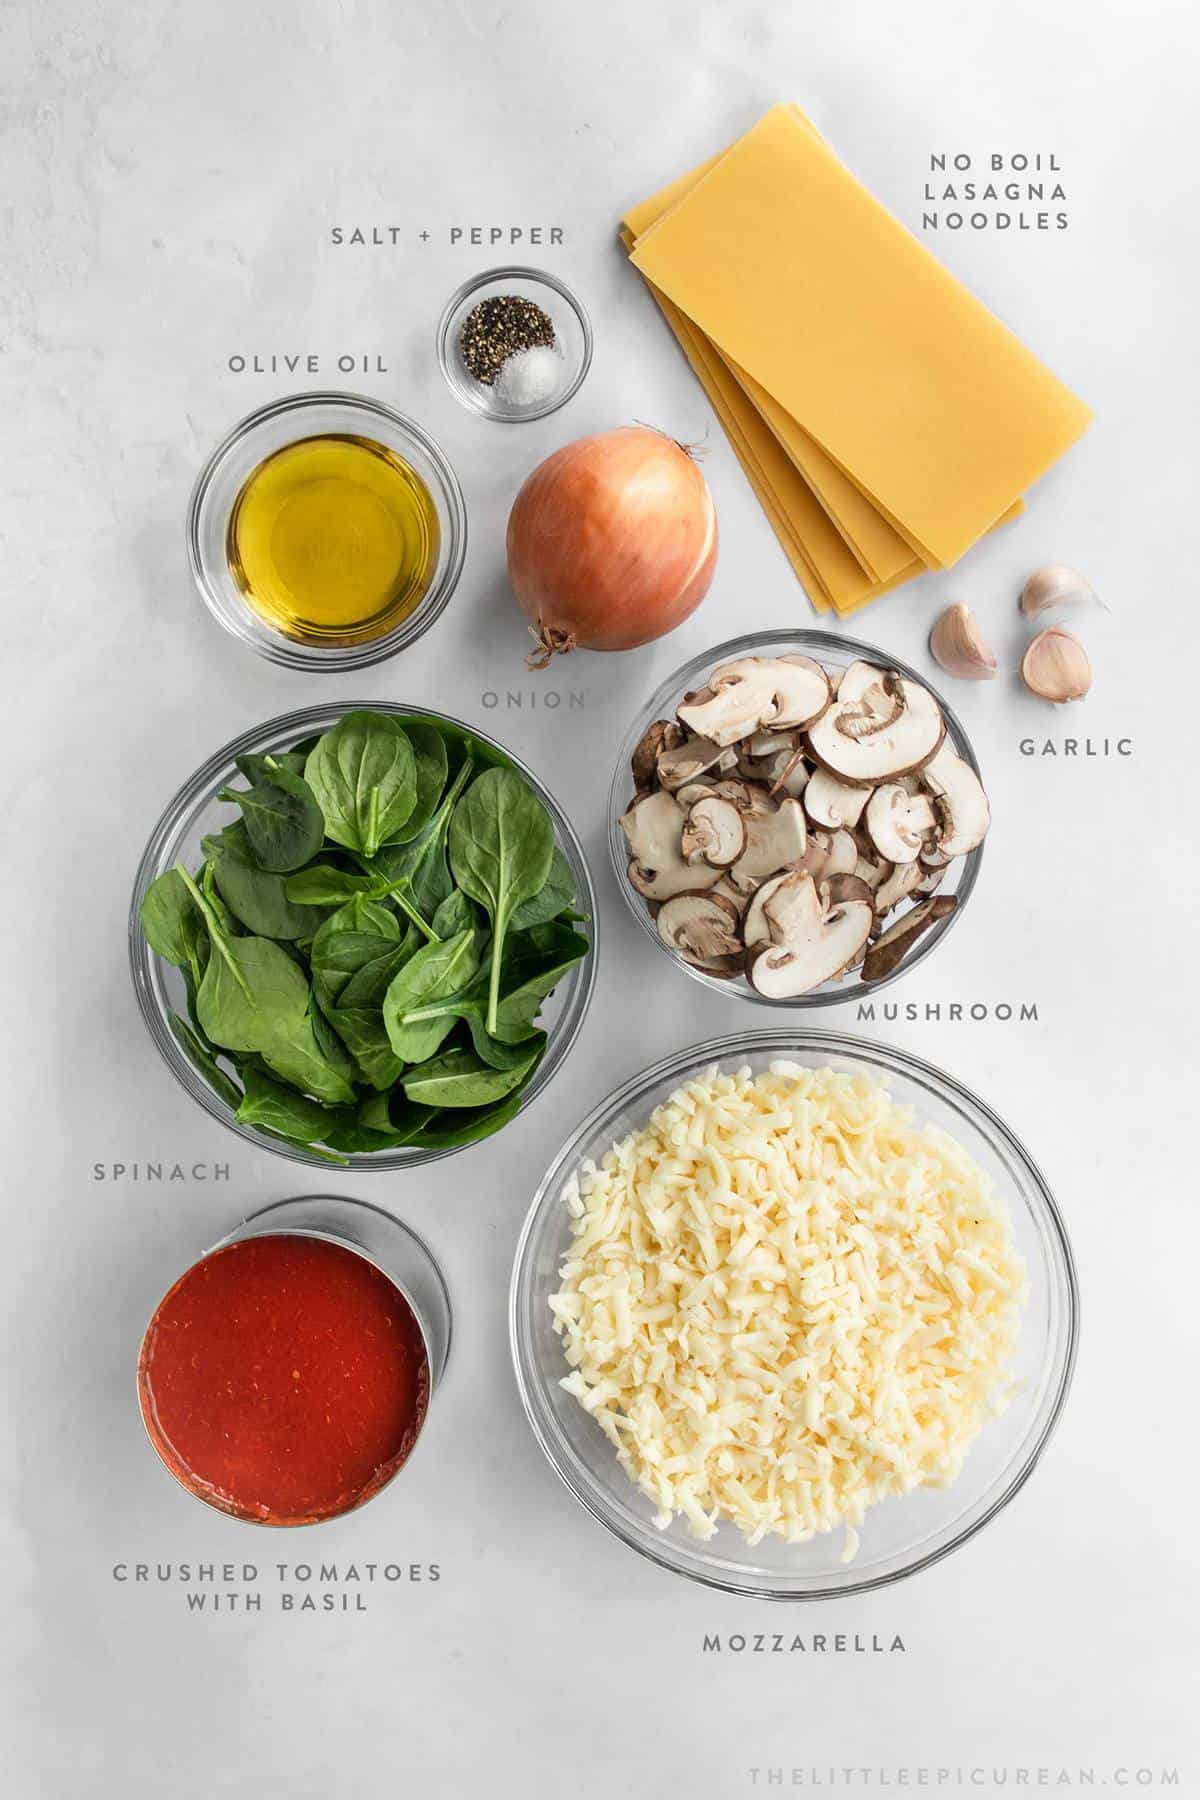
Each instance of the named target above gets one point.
<point>327,531</point>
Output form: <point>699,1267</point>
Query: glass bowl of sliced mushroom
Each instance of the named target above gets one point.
<point>797,817</point>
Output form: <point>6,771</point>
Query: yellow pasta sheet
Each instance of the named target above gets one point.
<point>864,348</point>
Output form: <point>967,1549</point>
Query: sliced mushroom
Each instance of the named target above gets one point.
<point>931,880</point>
<point>702,928</point>
<point>746,796</point>
<point>932,855</point>
<point>887,951</point>
<point>757,754</point>
<point>774,841</point>
<point>903,880</point>
<point>841,855</point>
<point>677,877</point>
<point>727,891</point>
<point>756,929</point>
<point>815,943</point>
<point>713,832</point>
<point>836,890</point>
<point>873,873</point>
<point>683,762</point>
<point>758,691</point>
<point>691,791</point>
<point>653,827</point>
<point>898,821</point>
<point>961,802</point>
<point>828,801</point>
<point>880,726</point>
<point>664,734</point>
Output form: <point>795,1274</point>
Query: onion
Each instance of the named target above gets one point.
<point>612,542</point>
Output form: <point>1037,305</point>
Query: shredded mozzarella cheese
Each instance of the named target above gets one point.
<point>784,1301</point>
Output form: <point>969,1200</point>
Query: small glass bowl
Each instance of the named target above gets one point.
<point>231,464</point>
<point>195,812</point>
<point>898,1536</point>
<point>572,330</point>
<point>393,1248</point>
<point>837,653</point>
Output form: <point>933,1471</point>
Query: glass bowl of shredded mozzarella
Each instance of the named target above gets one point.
<point>793,1314</point>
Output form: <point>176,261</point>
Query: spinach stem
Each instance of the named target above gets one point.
<point>410,912</point>
<point>215,932</point>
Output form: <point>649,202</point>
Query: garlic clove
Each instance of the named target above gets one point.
<point>1055,585</point>
<point>1056,667</point>
<point>957,643</point>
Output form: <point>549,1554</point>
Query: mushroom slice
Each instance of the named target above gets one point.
<point>841,855</point>
<point>700,927</point>
<point>756,929</point>
<point>662,735</point>
<point>737,900</point>
<point>713,832</point>
<point>903,880</point>
<point>683,762</point>
<point>813,943</point>
<point>931,880</point>
<point>877,729</point>
<point>887,951</point>
<point>747,796</point>
<point>933,856</point>
<point>828,801</point>
<point>774,840</point>
<point>836,890</point>
<point>653,827</point>
<point>961,803</point>
<point>671,878</point>
<point>898,821</point>
<point>759,691</point>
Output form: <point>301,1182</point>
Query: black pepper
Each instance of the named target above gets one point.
<point>498,328</point>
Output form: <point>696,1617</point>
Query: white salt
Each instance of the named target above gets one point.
<point>529,376</point>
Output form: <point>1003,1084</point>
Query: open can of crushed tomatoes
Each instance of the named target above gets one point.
<point>286,1376</point>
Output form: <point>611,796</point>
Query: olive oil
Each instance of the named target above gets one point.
<point>334,540</point>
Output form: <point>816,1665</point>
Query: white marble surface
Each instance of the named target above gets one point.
<point>172,177</point>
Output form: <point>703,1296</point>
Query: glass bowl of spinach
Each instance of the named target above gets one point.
<point>363,936</point>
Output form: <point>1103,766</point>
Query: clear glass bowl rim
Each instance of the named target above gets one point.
<point>201,786</point>
<point>812,642</point>
<point>241,1233</point>
<point>535,277</point>
<point>273,645</point>
<point>778,1042</point>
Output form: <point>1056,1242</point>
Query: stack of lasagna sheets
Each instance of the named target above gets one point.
<point>884,417</point>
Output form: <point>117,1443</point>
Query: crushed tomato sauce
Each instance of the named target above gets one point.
<point>283,1379</point>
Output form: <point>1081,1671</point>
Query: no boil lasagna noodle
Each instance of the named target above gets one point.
<point>785,1301</point>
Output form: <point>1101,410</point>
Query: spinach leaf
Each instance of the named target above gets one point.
<point>455,914</point>
<point>557,897</point>
<point>310,1056</point>
<point>501,843</point>
<point>363,773</point>
<point>537,961</point>
<point>449,1129</point>
<point>432,766</point>
<point>351,939</point>
<point>323,885</point>
<point>419,869</point>
<point>170,920</point>
<point>283,822</point>
<point>281,1109</point>
<point>256,768</point>
<point>363,1032</point>
<point>252,993</point>
<point>200,1055</point>
<point>501,1055</point>
<point>255,897</point>
<point>534,964</point>
<point>435,971</point>
<point>380,1126</point>
<point>314,1151</point>
<point>459,1078</point>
